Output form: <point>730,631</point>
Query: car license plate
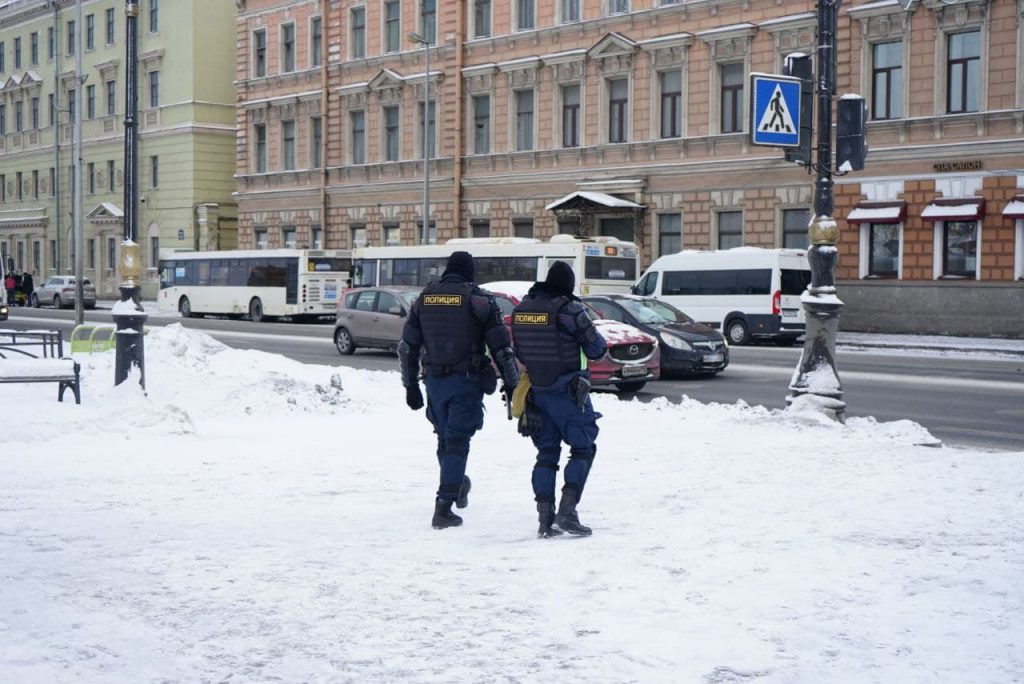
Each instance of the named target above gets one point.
<point>633,371</point>
<point>790,313</point>
<point>714,358</point>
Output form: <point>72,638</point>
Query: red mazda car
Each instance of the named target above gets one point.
<point>633,356</point>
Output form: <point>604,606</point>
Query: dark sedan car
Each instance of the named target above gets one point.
<point>686,346</point>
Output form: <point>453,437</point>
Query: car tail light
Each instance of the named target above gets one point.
<point>67,289</point>
<point>777,303</point>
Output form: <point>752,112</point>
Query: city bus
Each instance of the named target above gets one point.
<point>260,284</point>
<point>601,264</point>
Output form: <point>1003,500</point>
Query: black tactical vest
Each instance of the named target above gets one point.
<point>451,335</point>
<point>546,354</point>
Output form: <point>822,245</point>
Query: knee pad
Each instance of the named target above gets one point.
<point>546,464</point>
<point>583,454</point>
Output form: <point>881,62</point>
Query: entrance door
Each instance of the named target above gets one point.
<point>621,228</point>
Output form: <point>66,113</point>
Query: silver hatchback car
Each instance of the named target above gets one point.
<point>372,317</point>
<point>60,292</point>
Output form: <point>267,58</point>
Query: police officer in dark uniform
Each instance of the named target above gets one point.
<point>452,321</point>
<point>551,329</point>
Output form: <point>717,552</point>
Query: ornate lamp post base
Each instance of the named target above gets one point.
<point>816,373</point>
<point>129,318</point>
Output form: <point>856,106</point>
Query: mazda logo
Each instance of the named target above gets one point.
<point>634,349</point>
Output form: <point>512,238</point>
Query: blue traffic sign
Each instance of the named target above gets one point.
<point>775,110</point>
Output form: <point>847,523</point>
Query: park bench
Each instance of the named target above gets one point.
<point>38,356</point>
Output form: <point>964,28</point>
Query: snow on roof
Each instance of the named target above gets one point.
<point>601,198</point>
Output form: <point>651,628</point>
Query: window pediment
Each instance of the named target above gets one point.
<point>729,42</point>
<point>612,45</point>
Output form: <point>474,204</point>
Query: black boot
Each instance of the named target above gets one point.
<point>546,514</point>
<point>443,516</point>
<point>463,499</point>
<point>566,517</point>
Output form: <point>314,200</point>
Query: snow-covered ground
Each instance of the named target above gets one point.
<point>254,519</point>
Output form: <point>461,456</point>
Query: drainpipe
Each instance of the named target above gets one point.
<point>324,117</point>
<point>460,118</point>
<point>56,131</point>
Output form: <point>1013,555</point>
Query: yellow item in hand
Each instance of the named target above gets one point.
<point>519,395</point>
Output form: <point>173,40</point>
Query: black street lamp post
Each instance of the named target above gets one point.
<point>816,373</point>
<point>129,316</point>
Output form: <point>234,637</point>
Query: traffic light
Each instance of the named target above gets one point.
<point>851,143</point>
<point>800,66</point>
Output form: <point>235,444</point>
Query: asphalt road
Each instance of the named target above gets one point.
<point>962,399</point>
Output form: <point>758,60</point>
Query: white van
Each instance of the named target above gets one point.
<point>746,292</point>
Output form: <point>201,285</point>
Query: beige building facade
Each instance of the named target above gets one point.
<point>186,133</point>
<point>645,100</point>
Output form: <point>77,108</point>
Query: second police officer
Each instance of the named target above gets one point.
<point>552,332</point>
<point>453,321</point>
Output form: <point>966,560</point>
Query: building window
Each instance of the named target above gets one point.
<point>72,105</point>
<point>37,248</point>
<point>111,175</point>
<point>316,237</point>
<point>670,233</point>
<point>91,171</point>
<point>522,227</point>
<point>524,120</point>
<point>154,88</point>
<point>960,248</point>
<point>19,116</point>
<point>288,48</point>
<point>3,192</point>
<point>33,46</point>
<point>71,37</point>
<point>618,6</point>
<point>481,18</point>
<point>571,115</point>
<point>525,15</point>
<point>431,132</point>
<point>480,228</point>
<point>18,181</point>
<point>111,253</point>
<point>392,234</point>
<point>357,122</point>
<point>53,254</point>
<point>732,97</point>
<point>391,133</point>
<point>111,98</point>
<point>35,112</point>
<point>90,101</point>
<point>481,124</point>
<point>357,236</point>
<point>730,229</point>
<point>963,79</point>
<point>110,26</point>
<point>357,25</point>
<point>259,53</point>
<point>90,32</point>
<point>570,11</point>
<point>316,140</point>
<point>35,183</point>
<point>316,41</point>
<point>618,106</point>
<point>51,45</point>
<point>288,145</point>
<point>260,238</point>
<point>288,234</point>
<point>795,223</point>
<point>428,20</point>
<point>17,53</point>
<point>392,26</point>
<point>887,80</point>
<point>52,102</point>
<point>431,231</point>
<point>3,119</point>
<point>90,254</point>
<point>671,83</point>
<point>154,16</point>
<point>3,67</point>
<point>154,250</point>
<point>883,250</point>
<point>154,171</point>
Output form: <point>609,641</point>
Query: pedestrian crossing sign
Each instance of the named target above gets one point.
<point>775,110</point>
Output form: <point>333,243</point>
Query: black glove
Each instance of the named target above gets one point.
<point>579,389</point>
<point>488,378</point>
<point>506,362</point>
<point>414,397</point>
<point>531,421</point>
